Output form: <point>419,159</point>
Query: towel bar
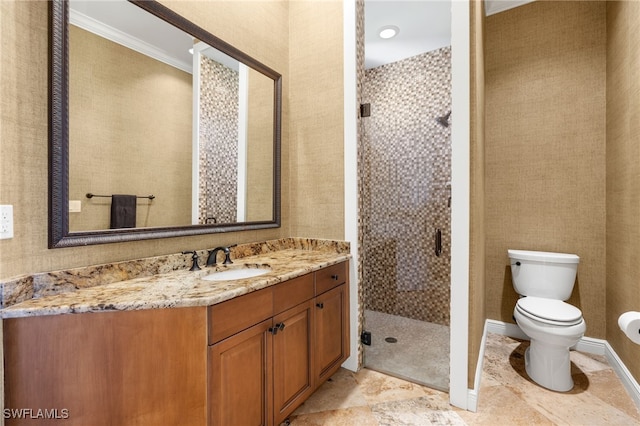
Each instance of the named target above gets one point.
<point>90,195</point>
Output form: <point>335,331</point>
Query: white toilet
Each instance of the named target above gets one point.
<point>545,280</point>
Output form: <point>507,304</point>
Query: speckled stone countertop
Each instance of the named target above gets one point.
<point>177,287</point>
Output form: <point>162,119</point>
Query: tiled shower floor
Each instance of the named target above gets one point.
<point>421,353</point>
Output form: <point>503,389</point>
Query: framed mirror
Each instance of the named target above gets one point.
<point>157,128</point>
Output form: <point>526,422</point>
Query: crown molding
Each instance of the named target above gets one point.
<point>491,7</point>
<point>94,26</point>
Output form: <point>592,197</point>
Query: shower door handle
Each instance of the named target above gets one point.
<point>438,242</point>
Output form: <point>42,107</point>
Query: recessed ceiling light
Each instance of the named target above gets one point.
<point>388,31</point>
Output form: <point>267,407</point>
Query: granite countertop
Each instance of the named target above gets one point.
<point>181,288</point>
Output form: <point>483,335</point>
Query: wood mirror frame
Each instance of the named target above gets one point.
<point>59,234</point>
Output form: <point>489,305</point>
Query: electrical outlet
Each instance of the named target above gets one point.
<point>75,206</point>
<point>6,222</point>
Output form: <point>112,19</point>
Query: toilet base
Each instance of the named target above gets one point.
<point>549,366</point>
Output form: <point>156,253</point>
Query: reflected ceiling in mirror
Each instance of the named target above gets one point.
<point>193,122</point>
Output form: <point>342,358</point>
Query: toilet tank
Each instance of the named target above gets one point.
<point>543,274</point>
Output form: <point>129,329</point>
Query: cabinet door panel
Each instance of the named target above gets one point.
<point>331,332</point>
<point>145,367</point>
<point>292,359</point>
<point>240,378</point>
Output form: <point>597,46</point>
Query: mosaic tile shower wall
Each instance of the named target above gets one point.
<point>405,187</point>
<point>219,105</point>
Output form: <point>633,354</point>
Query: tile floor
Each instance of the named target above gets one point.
<point>507,396</point>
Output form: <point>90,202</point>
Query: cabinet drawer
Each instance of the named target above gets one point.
<point>291,293</point>
<point>330,277</point>
<point>232,316</point>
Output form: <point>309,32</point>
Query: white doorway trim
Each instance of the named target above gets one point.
<point>459,393</point>
<point>351,172</point>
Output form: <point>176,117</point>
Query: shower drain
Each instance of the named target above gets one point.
<point>391,340</point>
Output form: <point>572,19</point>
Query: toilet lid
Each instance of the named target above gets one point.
<point>549,310</point>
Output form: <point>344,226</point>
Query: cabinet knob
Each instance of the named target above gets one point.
<point>334,277</point>
<point>320,305</point>
<point>280,326</point>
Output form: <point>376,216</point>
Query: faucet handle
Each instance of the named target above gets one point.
<point>194,266</point>
<point>227,255</point>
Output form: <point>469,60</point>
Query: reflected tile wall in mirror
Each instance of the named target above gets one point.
<point>219,105</point>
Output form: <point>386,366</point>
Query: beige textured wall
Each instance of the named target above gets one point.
<point>477,312</point>
<point>145,148</point>
<point>316,120</point>
<point>545,147</point>
<point>258,28</point>
<point>623,171</point>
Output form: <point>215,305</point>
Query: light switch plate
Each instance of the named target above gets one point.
<point>6,221</point>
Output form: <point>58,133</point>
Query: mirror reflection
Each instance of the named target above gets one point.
<point>155,111</point>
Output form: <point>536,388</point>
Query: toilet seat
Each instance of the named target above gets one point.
<point>549,311</point>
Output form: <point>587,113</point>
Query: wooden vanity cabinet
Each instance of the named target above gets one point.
<point>251,360</point>
<point>269,366</point>
<point>261,374</point>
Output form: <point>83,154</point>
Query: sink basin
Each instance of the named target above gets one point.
<point>235,274</point>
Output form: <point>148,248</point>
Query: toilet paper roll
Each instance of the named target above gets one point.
<point>629,323</point>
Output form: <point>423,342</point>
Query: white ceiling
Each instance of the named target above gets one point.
<point>425,25</point>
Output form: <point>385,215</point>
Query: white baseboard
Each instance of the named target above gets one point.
<point>505,329</point>
<point>586,344</point>
<point>627,379</point>
<point>472,400</point>
<point>490,326</point>
<point>591,346</point>
<point>472,394</point>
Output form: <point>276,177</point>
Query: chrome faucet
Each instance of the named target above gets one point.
<point>211,260</point>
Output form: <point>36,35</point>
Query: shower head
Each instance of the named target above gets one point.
<point>444,120</point>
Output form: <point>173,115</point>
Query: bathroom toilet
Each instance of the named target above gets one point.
<point>544,281</point>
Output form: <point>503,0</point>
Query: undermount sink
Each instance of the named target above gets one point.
<point>235,274</point>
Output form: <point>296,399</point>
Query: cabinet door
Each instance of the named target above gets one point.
<point>331,332</point>
<point>292,359</point>
<point>145,367</point>
<point>240,378</point>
